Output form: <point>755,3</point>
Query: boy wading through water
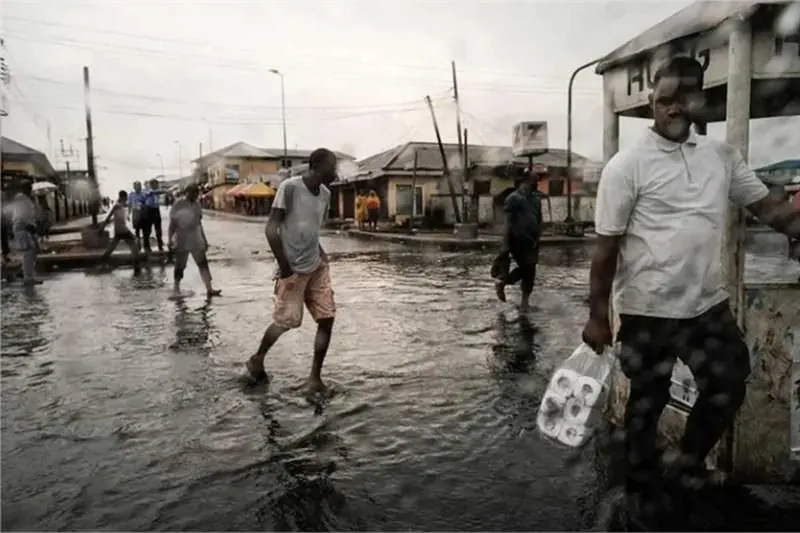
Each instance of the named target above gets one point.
<point>660,216</point>
<point>186,237</point>
<point>119,213</point>
<point>304,276</point>
<point>523,230</point>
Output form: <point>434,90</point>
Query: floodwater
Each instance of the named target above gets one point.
<point>122,410</point>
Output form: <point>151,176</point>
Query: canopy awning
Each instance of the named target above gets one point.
<point>258,190</point>
<point>236,189</point>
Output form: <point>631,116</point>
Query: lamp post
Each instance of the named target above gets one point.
<point>283,116</point>
<point>180,162</point>
<point>161,159</point>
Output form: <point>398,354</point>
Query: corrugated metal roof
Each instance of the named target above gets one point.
<point>246,150</point>
<point>401,158</point>
<point>788,164</point>
<point>696,18</point>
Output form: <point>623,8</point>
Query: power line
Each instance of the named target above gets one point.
<point>315,57</point>
<point>232,122</point>
<point>96,90</point>
<point>253,67</point>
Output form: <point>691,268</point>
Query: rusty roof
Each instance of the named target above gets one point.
<point>401,158</point>
<point>694,19</point>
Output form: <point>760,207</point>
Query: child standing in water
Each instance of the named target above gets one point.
<point>119,213</point>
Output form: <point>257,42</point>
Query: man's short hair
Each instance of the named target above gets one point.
<point>682,67</point>
<point>318,157</point>
<point>123,195</point>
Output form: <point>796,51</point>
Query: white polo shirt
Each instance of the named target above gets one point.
<point>670,201</point>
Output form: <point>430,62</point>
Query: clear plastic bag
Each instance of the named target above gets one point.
<point>573,405</point>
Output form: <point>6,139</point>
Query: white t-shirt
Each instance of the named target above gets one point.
<point>670,202</point>
<point>187,218</point>
<point>305,214</point>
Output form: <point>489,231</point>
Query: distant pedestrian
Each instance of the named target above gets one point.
<point>523,231</point>
<point>25,228</point>
<point>119,213</point>
<point>5,227</point>
<point>136,208</point>
<point>303,275</point>
<point>361,210</point>
<point>186,237</point>
<point>373,210</point>
<point>152,216</point>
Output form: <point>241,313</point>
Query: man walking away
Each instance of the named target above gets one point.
<point>659,218</point>
<point>136,208</point>
<point>24,226</point>
<point>119,213</point>
<point>152,216</point>
<point>186,237</point>
<point>523,231</point>
<point>304,276</point>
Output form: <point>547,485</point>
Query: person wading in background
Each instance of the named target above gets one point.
<point>24,225</point>
<point>136,207</point>
<point>119,213</point>
<point>152,216</point>
<point>373,203</point>
<point>522,234</point>
<point>659,218</point>
<point>186,238</point>
<point>293,230</point>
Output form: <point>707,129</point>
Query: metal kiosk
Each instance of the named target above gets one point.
<point>752,70</point>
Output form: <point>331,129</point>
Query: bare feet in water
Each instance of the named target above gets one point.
<point>255,370</point>
<point>213,292</point>
<point>315,385</point>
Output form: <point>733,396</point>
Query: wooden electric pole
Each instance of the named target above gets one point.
<point>94,204</point>
<point>458,110</point>
<point>445,166</point>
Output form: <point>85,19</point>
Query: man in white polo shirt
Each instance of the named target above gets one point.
<point>660,219</point>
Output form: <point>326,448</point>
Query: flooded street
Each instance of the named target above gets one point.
<point>122,410</point>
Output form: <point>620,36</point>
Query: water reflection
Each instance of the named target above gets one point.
<point>193,328</point>
<point>514,350</point>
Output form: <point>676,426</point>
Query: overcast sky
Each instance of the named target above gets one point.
<point>169,75</point>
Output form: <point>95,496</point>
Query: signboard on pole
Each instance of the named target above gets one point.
<point>529,138</point>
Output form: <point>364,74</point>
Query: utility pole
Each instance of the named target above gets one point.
<point>445,166</point>
<point>94,204</point>
<point>414,189</point>
<point>458,111</point>
<point>467,198</point>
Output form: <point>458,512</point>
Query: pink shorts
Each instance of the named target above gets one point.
<point>313,290</point>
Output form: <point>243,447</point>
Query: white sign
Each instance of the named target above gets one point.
<point>529,138</point>
<point>773,57</point>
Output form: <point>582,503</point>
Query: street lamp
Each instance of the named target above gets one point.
<point>283,116</point>
<point>161,158</point>
<point>180,158</point>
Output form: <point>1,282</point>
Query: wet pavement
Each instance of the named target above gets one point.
<point>122,410</point>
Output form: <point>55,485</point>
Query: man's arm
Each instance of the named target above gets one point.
<point>276,217</point>
<point>509,206</point>
<point>108,217</point>
<point>750,192</point>
<point>616,197</point>
<point>277,214</point>
<point>778,214</point>
<point>172,227</point>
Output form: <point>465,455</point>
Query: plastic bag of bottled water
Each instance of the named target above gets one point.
<point>573,405</point>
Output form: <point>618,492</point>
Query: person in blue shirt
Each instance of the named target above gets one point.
<point>136,209</point>
<point>152,215</point>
